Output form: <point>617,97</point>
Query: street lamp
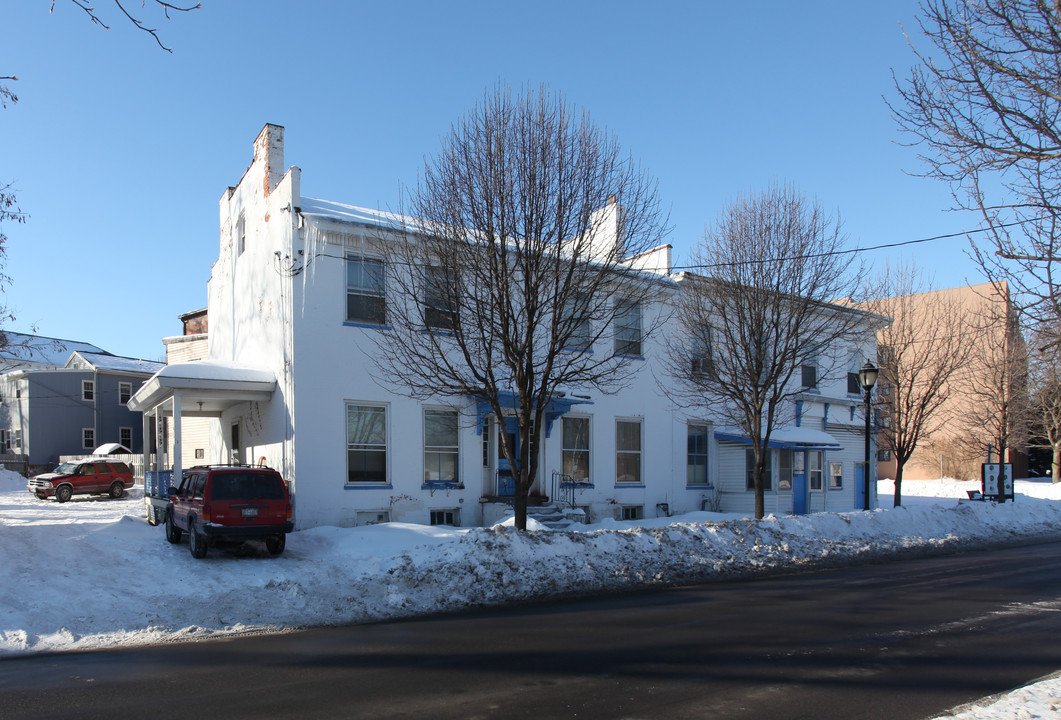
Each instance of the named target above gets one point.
<point>867,376</point>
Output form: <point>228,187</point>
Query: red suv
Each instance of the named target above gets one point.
<point>217,504</point>
<point>83,477</point>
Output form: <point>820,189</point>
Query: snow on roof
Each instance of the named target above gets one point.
<point>352,213</point>
<point>216,370</point>
<point>116,363</point>
<point>784,437</point>
<point>112,449</point>
<point>40,349</point>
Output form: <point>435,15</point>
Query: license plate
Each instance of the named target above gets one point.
<point>250,512</point>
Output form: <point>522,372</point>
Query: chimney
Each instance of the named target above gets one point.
<point>269,150</point>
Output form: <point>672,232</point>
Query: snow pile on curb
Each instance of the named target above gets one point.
<point>92,573</point>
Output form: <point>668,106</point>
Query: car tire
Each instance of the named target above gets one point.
<point>117,489</point>
<point>275,544</point>
<point>196,542</point>
<point>173,533</point>
<point>63,493</point>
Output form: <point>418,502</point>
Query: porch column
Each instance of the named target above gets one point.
<point>177,454</point>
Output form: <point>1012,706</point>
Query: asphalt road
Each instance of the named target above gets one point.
<point>895,640</point>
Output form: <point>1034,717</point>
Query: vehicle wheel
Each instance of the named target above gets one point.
<point>275,544</point>
<point>196,542</point>
<point>63,493</point>
<point>117,489</point>
<point>173,533</point>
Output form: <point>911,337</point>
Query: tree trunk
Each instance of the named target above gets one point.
<point>1055,463</point>
<point>519,502</point>
<point>898,482</point>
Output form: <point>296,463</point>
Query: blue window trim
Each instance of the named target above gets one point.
<point>367,486</point>
<point>442,485</point>
<point>629,485</point>
<point>370,326</point>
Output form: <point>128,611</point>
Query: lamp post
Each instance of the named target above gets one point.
<point>867,376</point>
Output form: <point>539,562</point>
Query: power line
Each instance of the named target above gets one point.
<point>850,251</point>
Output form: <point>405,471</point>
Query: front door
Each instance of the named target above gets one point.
<point>506,474</point>
<point>799,483</point>
<point>860,486</point>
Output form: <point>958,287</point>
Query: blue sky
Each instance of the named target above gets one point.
<point>120,151</point>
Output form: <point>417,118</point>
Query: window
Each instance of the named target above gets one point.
<point>366,444</point>
<point>784,469</point>
<point>88,438</point>
<point>836,476</point>
<point>809,371</point>
<point>628,328</point>
<point>814,469</point>
<point>241,234</point>
<point>125,437</point>
<point>372,517</point>
<point>884,455</point>
<point>575,457</point>
<point>575,321</point>
<point>696,455</point>
<point>88,390</point>
<point>486,443</point>
<point>445,517</point>
<point>18,438</point>
<point>125,391</point>
<point>749,469</point>
<point>627,451</point>
<point>633,512</point>
<point>200,454</point>
<point>854,384</point>
<point>440,445</point>
<point>365,297</point>
<point>440,299</point>
<point>5,440</point>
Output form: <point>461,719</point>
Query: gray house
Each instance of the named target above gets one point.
<point>46,412</point>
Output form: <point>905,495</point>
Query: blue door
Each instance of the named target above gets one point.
<point>506,481</point>
<point>860,486</point>
<point>799,493</point>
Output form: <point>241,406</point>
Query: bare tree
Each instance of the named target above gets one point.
<point>984,110</point>
<point>515,283</point>
<point>165,7</point>
<point>772,263</point>
<point>927,345</point>
<point>1044,380</point>
<point>995,382</point>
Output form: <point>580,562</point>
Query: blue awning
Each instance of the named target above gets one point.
<point>786,438</point>
<point>557,407</point>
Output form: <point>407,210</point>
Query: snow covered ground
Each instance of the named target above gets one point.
<point>92,573</point>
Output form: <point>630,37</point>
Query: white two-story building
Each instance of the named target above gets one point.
<point>289,384</point>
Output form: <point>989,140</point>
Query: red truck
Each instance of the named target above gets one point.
<point>82,477</point>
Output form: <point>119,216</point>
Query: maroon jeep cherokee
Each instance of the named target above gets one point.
<point>83,477</point>
<point>215,504</point>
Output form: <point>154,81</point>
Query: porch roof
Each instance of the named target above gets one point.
<point>556,407</point>
<point>206,387</point>
<point>786,438</point>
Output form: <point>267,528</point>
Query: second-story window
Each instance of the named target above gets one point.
<point>365,296</point>
<point>575,320</point>
<point>125,391</point>
<point>628,328</point>
<point>809,372</point>
<point>88,390</point>
<point>440,299</point>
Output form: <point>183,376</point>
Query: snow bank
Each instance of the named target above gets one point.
<point>92,573</point>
